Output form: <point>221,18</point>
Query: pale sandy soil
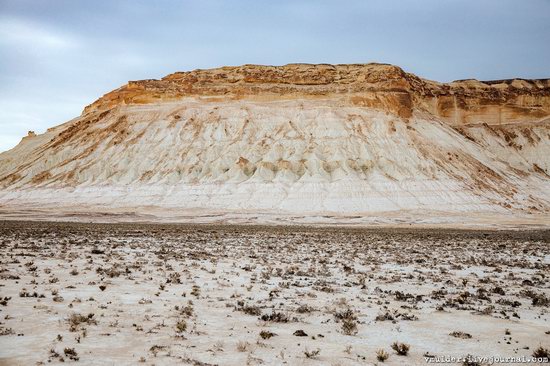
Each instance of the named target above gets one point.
<point>131,294</point>
<point>516,220</point>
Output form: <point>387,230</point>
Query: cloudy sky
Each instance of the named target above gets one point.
<point>57,56</point>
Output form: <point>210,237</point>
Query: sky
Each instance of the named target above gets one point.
<point>58,56</point>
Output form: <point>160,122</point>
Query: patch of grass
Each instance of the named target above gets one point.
<point>462,335</point>
<point>541,352</point>
<point>265,334</point>
<point>312,354</point>
<point>76,320</point>
<point>242,346</point>
<point>155,349</point>
<point>71,353</point>
<point>349,327</point>
<point>348,319</point>
<point>196,291</point>
<point>181,326</point>
<point>347,314</point>
<point>302,309</point>
<point>402,349</point>
<point>276,317</point>
<point>186,311</point>
<point>382,355</point>
<point>251,310</point>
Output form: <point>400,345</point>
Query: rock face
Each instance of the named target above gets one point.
<point>294,140</point>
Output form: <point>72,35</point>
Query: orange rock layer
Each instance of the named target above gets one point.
<point>379,86</point>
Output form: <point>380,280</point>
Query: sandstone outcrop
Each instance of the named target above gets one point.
<point>386,87</point>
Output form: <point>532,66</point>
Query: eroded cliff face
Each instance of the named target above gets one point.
<point>348,139</point>
<point>385,87</point>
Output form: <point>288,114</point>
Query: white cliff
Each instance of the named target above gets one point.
<point>302,141</point>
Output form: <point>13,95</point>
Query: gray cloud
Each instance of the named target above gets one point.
<point>60,55</point>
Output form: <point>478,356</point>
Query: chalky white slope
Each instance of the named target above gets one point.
<point>294,155</point>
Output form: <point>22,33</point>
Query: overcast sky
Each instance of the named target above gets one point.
<point>57,56</point>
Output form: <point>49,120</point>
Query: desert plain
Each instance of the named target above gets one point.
<point>164,294</point>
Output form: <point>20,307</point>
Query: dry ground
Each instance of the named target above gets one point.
<point>234,295</point>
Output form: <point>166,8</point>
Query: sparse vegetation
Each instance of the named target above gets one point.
<point>402,349</point>
<point>462,335</point>
<point>242,346</point>
<point>276,317</point>
<point>304,308</point>
<point>76,320</point>
<point>265,334</point>
<point>181,326</point>
<point>168,285</point>
<point>541,352</point>
<point>349,327</point>
<point>348,319</point>
<point>196,291</point>
<point>71,353</point>
<point>382,355</point>
<point>251,310</point>
<point>312,354</point>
